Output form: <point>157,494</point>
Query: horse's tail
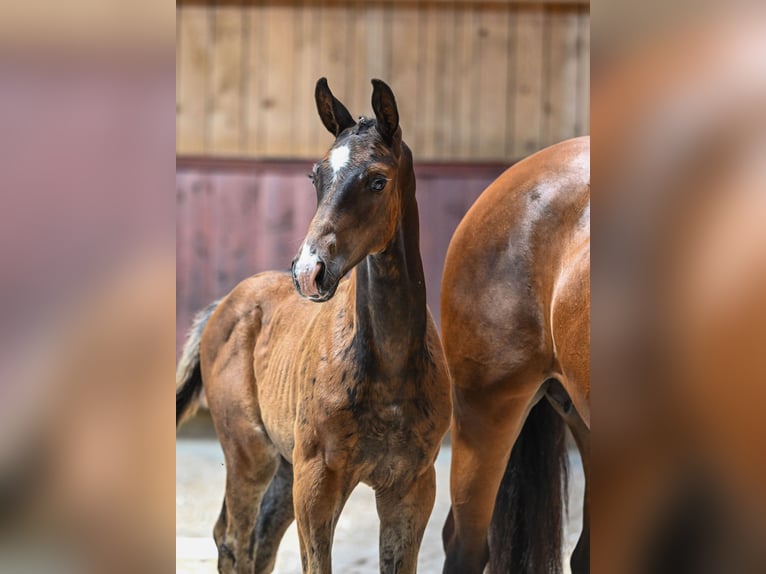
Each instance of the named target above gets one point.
<point>188,374</point>
<point>526,533</point>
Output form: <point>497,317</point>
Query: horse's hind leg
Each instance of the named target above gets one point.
<point>560,400</point>
<point>581,556</point>
<point>404,513</point>
<point>275,517</point>
<point>489,421</point>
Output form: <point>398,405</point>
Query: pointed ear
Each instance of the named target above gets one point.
<point>384,106</point>
<point>334,115</point>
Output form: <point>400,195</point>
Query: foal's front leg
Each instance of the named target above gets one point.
<point>404,511</point>
<point>319,494</point>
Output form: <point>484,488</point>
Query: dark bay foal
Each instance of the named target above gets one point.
<point>316,383</point>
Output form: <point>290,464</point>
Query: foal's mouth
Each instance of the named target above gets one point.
<point>315,284</point>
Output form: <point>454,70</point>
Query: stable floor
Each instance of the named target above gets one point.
<point>200,476</point>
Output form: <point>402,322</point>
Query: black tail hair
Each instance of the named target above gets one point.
<point>188,374</point>
<point>526,533</point>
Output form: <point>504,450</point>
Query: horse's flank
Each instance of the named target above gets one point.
<point>516,326</point>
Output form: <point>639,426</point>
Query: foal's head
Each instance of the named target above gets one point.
<point>358,192</point>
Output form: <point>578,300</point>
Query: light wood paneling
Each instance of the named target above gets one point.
<point>493,97</point>
<point>404,70</point>
<point>225,119</point>
<point>560,106</point>
<point>465,82</point>
<point>529,96</point>
<point>583,72</point>
<point>193,71</point>
<point>309,133</point>
<point>446,90</point>
<point>474,81</point>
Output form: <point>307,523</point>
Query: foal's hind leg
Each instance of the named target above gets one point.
<point>251,460</point>
<point>275,517</point>
<point>250,464</point>
<point>403,512</point>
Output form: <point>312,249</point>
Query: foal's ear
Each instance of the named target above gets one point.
<point>334,115</point>
<point>384,106</point>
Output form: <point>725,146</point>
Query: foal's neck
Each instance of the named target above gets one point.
<point>391,313</point>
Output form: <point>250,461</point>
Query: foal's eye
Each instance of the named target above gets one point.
<point>378,184</point>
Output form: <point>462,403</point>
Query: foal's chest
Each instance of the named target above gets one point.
<point>382,427</point>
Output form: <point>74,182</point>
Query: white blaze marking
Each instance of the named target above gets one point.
<point>338,159</point>
<point>306,260</point>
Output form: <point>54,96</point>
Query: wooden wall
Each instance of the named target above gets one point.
<point>475,81</point>
<point>236,219</point>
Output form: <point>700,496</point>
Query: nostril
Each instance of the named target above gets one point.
<point>319,273</point>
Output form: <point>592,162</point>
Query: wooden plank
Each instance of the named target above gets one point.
<point>184,258</point>
<point>426,104</point>
<point>466,88</point>
<point>179,17</point>
<point>511,87</point>
<point>368,37</point>
<point>252,202</point>
<point>529,81</point>
<point>461,96</point>
<point>357,98</point>
<point>582,124</point>
<point>201,290</point>
<point>193,69</point>
<point>309,129</point>
<point>404,72</point>
<point>232,233</point>
<point>378,42</point>
<point>257,73</point>
<point>245,204</point>
<point>445,141</point>
<point>275,219</point>
<point>333,56</point>
<point>493,78</point>
<point>560,106</point>
<point>278,106</point>
<point>225,136</point>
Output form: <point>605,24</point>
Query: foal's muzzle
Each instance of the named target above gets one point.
<point>307,279</point>
<point>311,277</point>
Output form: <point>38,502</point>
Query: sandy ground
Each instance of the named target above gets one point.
<point>200,476</point>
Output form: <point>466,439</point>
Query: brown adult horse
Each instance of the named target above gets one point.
<point>516,326</point>
<point>354,389</point>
